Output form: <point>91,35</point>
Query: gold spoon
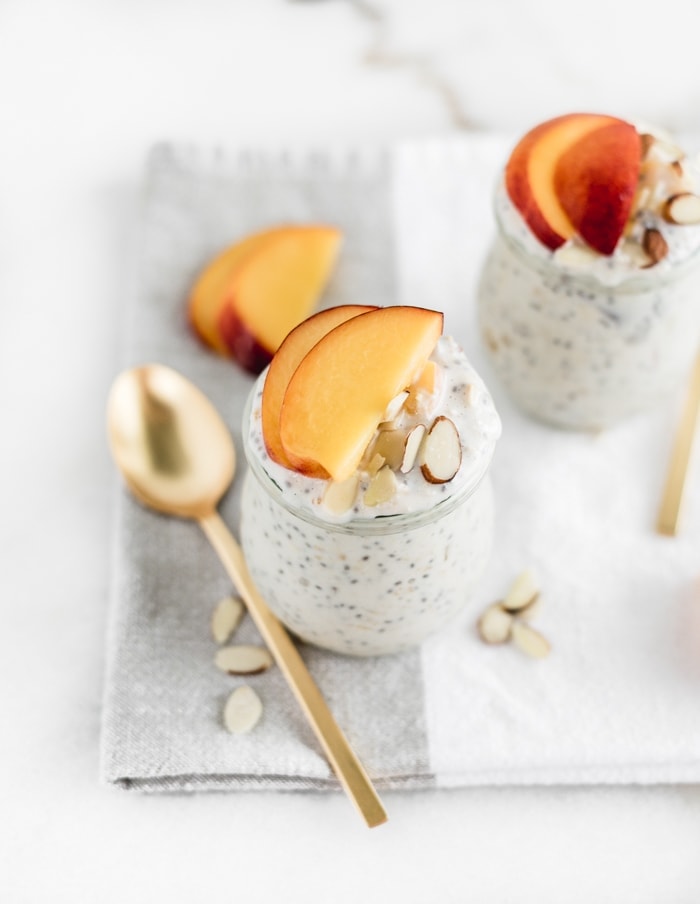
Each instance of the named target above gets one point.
<point>177,456</point>
<point>676,478</point>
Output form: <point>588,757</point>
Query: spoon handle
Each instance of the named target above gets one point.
<point>669,511</point>
<point>345,763</point>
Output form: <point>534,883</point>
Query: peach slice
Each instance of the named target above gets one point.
<point>338,394</point>
<point>273,289</point>
<point>530,174</point>
<point>209,290</point>
<point>286,360</point>
<point>595,180</point>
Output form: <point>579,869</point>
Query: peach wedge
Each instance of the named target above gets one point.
<point>273,289</point>
<point>530,174</point>
<point>208,293</point>
<point>338,394</point>
<point>286,360</point>
<point>596,179</point>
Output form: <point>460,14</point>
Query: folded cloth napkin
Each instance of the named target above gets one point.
<point>617,699</point>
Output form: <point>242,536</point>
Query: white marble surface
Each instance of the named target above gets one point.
<point>85,88</point>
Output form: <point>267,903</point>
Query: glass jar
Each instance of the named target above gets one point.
<point>368,586</point>
<point>575,351</point>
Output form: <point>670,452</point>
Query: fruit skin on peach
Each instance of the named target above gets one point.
<point>339,392</point>
<point>273,289</point>
<point>530,170</point>
<point>286,360</point>
<point>596,179</point>
<point>208,293</point>
<point>240,342</point>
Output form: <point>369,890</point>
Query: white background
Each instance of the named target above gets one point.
<point>85,89</point>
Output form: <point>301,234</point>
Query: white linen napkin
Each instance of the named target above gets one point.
<point>617,700</point>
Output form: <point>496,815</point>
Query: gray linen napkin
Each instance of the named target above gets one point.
<point>617,700</point>
<point>162,727</point>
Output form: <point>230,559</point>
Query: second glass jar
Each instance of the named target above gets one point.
<point>577,353</point>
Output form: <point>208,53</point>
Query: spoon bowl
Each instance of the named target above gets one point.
<point>177,457</point>
<point>170,443</point>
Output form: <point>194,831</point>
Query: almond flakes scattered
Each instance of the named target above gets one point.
<point>508,619</point>
<point>226,617</point>
<point>243,660</point>
<point>242,711</point>
<point>530,641</point>
<point>495,624</point>
<point>522,593</point>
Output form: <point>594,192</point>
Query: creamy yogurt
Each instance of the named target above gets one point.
<point>376,579</point>
<point>582,340</point>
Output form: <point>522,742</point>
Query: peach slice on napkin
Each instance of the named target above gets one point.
<point>286,360</point>
<point>250,296</point>
<point>553,168</point>
<point>338,394</point>
<point>209,290</point>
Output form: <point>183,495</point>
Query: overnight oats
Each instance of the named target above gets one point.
<point>367,512</point>
<point>589,299</point>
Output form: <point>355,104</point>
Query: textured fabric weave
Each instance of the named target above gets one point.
<point>616,701</point>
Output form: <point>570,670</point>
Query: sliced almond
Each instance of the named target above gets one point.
<point>441,451</point>
<point>381,487</point>
<point>226,617</point>
<point>683,209</point>
<point>532,610</point>
<point>658,180</point>
<point>495,624</point>
<point>426,385</point>
<point>573,255</point>
<point>243,660</point>
<point>635,253</point>
<point>530,641</point>
<point>368,454</point>
<point>411,447</point>
<point>522,591</point>
<point>242,711</point>
<point>375,464</point>
<point>641,202</point>
<point>390,444</point>
<point>340,495</point>
<point>664,149</point>
<point>395,406</point>
<point>647,141</point>
<point>655,245</point>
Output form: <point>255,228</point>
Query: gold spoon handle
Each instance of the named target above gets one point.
<point>675,481</point>
<point>342,758</point>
